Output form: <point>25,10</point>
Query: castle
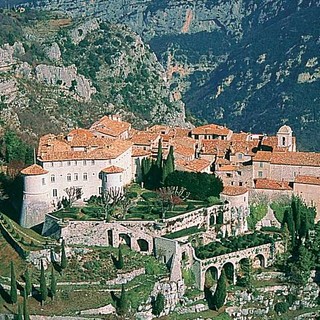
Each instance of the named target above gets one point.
<point>110,152</point>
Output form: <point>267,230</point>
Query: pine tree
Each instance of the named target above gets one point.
<point>28,285</point>
<point>53,284</point>
<point>26,315</point>
<point>64,260</point>
<point>19,315</point>
<point>122,305</point>
<point>120,259</point>
<point>220,294</point>
<point>13,287</point>
<point>43,285</point>
<point>158,304</point>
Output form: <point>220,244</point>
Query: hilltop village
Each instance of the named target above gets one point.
<point>252,204</point>
<point>109,155</point>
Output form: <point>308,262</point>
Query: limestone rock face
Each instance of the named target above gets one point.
<point>53,52</point>
<point>67,77</point>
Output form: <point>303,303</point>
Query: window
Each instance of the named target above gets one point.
<point>84,162</point>
<point>100,175</point>
<point>69,163</point>
<point>260,174</point>
<point>52,164</point>
<point>60,163</point>
<point>75,176</point>
<point>85,176</point>
<point>100,190</point>
<point>53,178</point>
<point>55,192</point>
<point>120,178</point>
<point>75,162</point>
<point>92,162</point>
<point>240,184</point>
<point>69,177</point>
<point>283,141</point>
<point>43,181</point>
<point>239,156</point>
<point>232,183</point>
<point>229,175</point>
<point>239,173</point>
<point>261,164</point>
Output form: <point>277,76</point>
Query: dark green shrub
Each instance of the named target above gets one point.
<point>281,307</point>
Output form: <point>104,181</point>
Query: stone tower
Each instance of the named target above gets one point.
<point>36,200</point>
<point>285,139</point>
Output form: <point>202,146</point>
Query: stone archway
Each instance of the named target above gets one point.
<point>143,245</point>
<point>259,261</point>
<point>229,270</point>
<point>211,276</point>
<point>125,239</point>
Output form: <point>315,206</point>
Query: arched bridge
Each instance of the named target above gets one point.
<point>261,256</point>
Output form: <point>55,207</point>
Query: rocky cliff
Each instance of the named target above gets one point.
<point>68,72</point>
<point>249,64</point>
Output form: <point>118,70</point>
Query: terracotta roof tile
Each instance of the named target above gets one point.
<point>272,184</point>
<point>144,138</point>
<point>211,129</point>
<point>111,127</point>
<point>196,165</point>
<point>296,158</point>
<point>214,147</point>
<point>228,167</point>
<point>33,170</point>
<point>308,180</point>
<point>241,136</point>
<point>234,191</point>
<point>112,169</point>
<point>263,156</point>
<point>138,152</point>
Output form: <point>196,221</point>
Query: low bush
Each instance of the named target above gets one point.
<point>281,307</point>
<point>148,195</point>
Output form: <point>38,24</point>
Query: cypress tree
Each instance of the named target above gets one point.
<point>26,315</point>
<point>170,161</point>
<point>158,304</point>
<point>288,218</point>
<point>13,287</point>
<point>220,294</point>
<point>159,155</point>
<point>122,305</point>
<point>64,260</point>
<point>53,284</point>
<point>28,285</point>
<point>120,259</point>
<point>43,285</point>
<point>19,315</point>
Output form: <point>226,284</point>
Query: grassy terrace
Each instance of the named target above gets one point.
<point>74,293</point>
<point>146,205</point>
<point>184,233</point>
<point>233,244</point>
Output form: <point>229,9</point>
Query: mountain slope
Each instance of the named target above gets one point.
<point>69,72</point>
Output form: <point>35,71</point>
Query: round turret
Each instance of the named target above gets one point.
<point>35,202</point>
<point>112,178</point>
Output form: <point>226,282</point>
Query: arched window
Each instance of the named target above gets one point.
<point>53,178</point>
<point>69,177</point>
<point>283,141</point>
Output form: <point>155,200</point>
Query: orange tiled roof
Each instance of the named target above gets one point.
<point>184,150</point>
<point>234,191</point>
<point>296,158</point>
<point>263,156</point>
<point>222,161</point>
<point>181,132</point>
<point>272,184</point>
<point>57,148</point>
<point>110,127</point>
<point>214,147</point>
<point>79,132</point>
<point>196,165</point>
<point>144,138</point>
<point>158,128</point>
<point>228,167</point>
<point>247,147</point>
<point>307,180</point>
<point>112,169</point>
<point>211,129</point>
<point>33,170</point>
<point>241,136</point>
<point>138,152</point>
